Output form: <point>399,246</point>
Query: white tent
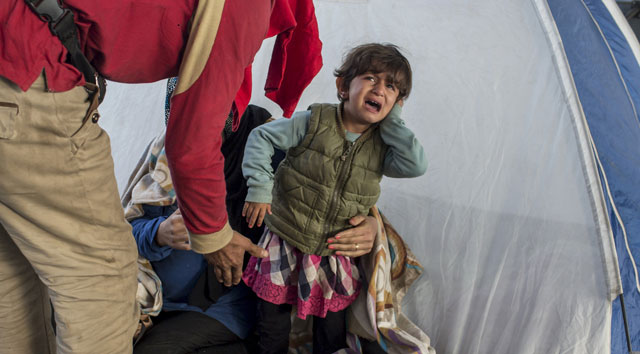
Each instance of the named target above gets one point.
<point>524,108</point>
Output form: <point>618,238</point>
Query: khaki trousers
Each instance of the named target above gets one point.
<point>63,237</point>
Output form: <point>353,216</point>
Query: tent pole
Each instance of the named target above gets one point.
<point>626,325</point>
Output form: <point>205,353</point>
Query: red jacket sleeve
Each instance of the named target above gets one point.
<point>296,57</point>
<point>199,107</point>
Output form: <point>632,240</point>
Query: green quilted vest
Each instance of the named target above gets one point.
<point>325,181</point>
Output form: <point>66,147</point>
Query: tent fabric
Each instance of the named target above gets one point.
<point>610,108</point>
<point>590,161</point>
<point>525,111</point>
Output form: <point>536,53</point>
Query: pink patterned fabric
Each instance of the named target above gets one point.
<point>315,284</point>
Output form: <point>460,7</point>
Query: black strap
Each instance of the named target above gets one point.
<point>63,26</point>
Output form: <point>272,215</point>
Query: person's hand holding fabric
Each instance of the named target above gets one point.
<point>173,233</point>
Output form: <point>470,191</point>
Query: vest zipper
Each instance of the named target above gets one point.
<point>348,151</point>
<point>341,180</point>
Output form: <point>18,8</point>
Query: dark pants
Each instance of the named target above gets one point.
<point>274,325</point>
<point>371,347</point>
<point>188,332</point>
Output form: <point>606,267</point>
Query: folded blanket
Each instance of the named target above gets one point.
<point>150,183</point>
<point>390,269</point>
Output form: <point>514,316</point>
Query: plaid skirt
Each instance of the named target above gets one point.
<point>314,284</point>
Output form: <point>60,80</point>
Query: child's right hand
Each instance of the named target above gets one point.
<point>255,212</point>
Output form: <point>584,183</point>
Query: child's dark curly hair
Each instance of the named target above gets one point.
<point>376,58</point>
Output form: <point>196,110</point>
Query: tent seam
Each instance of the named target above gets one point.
<point>567,84</point>
<point>597,156</point>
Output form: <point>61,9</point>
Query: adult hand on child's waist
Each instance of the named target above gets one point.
<point>356,241</point>
<point>227,261</point>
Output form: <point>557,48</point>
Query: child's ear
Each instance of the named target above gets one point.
<point>342,93</point>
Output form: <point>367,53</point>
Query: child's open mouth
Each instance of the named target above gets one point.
<point>373,104</point>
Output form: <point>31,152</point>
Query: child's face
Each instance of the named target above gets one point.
<point>369,100</point>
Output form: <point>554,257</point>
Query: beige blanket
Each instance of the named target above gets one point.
<point>150,183</point>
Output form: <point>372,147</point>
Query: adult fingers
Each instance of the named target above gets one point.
<point>357,220</point>
<point>176,216</point>
<point>177,224</point>
<point>181,246</point>
<point>364,231</point>
<point>258,252</point>
<point>237,275</point>
<point>352,245</point>
<point>353,251</point>
<point>228,276</point>
<point>358,229</point>
<point>181,235</point>
<point>252,248</point>
<point>180,240</point>
<point>347,237</point>
<point>218,272</point>
<point>347,246</point>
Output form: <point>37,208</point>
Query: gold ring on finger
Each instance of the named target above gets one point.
<point>357,245</point>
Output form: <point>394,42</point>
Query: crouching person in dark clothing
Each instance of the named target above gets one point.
<point>199,314</point>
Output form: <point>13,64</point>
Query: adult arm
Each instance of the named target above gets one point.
<point>231,32</point>
<point>405,155</point>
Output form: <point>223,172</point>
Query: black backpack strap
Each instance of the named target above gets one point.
<point>62,25</point>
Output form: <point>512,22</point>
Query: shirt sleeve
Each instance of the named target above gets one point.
<point>405,156</point>
<point>223,39</point>
<point>280,134</point>
<point>297,52</point>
